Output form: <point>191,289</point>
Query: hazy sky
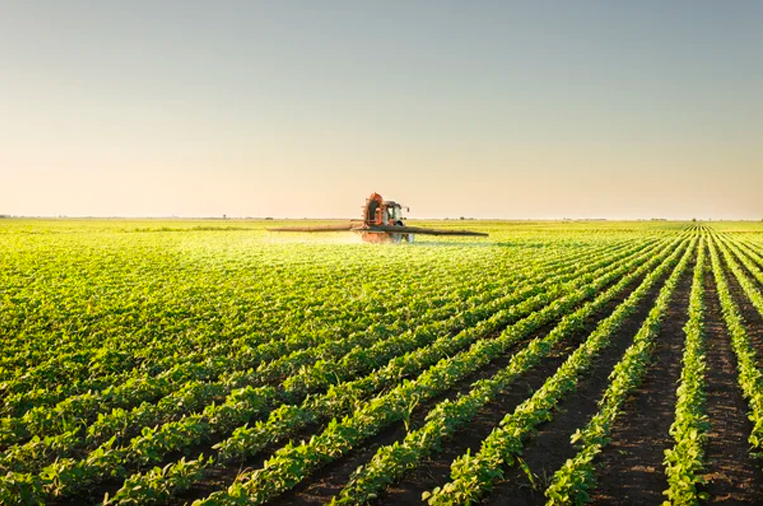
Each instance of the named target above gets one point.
<point>533,109</point>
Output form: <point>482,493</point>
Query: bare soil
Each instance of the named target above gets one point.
<point>329,481</point>
<point>551,447</point>
<point>436,470</point>
<point>733,477</point>
<point>630,468</point>
<point>633,462</point>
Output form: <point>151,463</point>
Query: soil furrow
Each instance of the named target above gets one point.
<point>732,476</point>
<point>631,469</point>
<point>330,480</point>
<point>221,477</point>
<point>551,447</point>
<point>317,489</point>
<point>436,470</point>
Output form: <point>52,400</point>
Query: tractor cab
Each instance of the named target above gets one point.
<point>382,212</point>
<point>394,212</point>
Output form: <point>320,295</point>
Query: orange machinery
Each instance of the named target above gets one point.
<point>382,223</point>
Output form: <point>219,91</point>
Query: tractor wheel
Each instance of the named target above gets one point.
<point>397,238</point>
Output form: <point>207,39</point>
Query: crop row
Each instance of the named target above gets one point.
<point>573,481</point>
<point>748,286</point>
<point>472,476</point>
<point>754,254</point>
<point>135,295</point>
<point>195,395</point>
<point>285,420</point>
<point>101,302</point>
<point>684,462</point>
<point>391,462</point>
<point>341,397</point>
<point>106,459</point>
<point>749,375</point>
<point>292,463</point>
<point>43,421</point>
<point>78,372</point>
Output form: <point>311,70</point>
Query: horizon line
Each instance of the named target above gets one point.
<point>274,218</point>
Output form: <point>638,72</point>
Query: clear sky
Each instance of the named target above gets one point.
<point>508,109</point>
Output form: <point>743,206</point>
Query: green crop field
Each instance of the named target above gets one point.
<point>211,362</point>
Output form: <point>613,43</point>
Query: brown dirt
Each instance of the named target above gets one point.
<point>436,470</point>
<point>329,481</point>
<point>733,476</point>
<point>631,469</point>
<point>551,447</point>
<point>217,478</point>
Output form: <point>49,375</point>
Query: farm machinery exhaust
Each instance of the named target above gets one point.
<point>382,223</point>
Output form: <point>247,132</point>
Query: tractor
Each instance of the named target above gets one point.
<point>382,223</point>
